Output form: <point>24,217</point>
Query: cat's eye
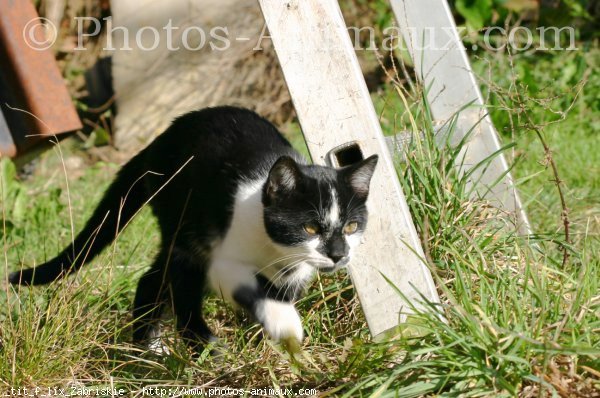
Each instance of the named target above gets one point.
<point>311,229</point>
<point>350,228</point>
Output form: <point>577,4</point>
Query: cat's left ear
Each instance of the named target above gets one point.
<point>283,179</point>
<point>359,175</point>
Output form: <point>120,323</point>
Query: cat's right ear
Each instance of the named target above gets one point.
<point>283,179</point>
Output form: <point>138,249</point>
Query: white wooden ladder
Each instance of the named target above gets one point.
<point>340,124</point>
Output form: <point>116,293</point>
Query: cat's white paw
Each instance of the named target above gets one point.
<point>156,344</point>
<point>158,347</point>
<point>281,320</point>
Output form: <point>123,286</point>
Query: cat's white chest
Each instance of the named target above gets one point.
<point>247,249</point>
<point>247,240</point>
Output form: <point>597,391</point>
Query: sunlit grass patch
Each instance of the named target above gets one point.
<point>513,321</point>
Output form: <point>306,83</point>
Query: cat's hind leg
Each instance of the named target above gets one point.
<point>148,305</point>
<point>187,281</point>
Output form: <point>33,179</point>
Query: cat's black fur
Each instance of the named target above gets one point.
<point>196,176</point>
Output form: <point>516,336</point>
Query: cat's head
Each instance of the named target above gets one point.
<point>317,212</point>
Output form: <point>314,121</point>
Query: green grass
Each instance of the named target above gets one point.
<point>518,322</point>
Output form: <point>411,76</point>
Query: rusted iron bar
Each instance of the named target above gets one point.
<point>7,146</point>
<point>30,81</point>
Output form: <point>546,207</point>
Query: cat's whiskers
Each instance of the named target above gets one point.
<point>290,267</point>
<point>287,267</point>
<point>292,283</point>
<point>288,286</point>
<point>281,273</point>
<point>280,259</point>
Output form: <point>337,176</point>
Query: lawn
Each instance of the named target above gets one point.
<point>520,320</point>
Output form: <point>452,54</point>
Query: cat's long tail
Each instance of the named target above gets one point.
<point>125,196</point>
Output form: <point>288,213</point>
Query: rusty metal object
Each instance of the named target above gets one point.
<point>30,80</point>
<point>7,146</point>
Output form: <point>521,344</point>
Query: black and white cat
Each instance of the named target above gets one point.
<point>238,209</point>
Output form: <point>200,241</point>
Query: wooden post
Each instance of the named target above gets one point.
<point>336,113</point>
<point>442,64</point>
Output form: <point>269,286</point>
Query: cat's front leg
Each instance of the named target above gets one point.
<point>280,319</point>
<point>237,283</point>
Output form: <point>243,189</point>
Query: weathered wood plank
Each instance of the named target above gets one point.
<point>442,64</point>
<point>334,107</point>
